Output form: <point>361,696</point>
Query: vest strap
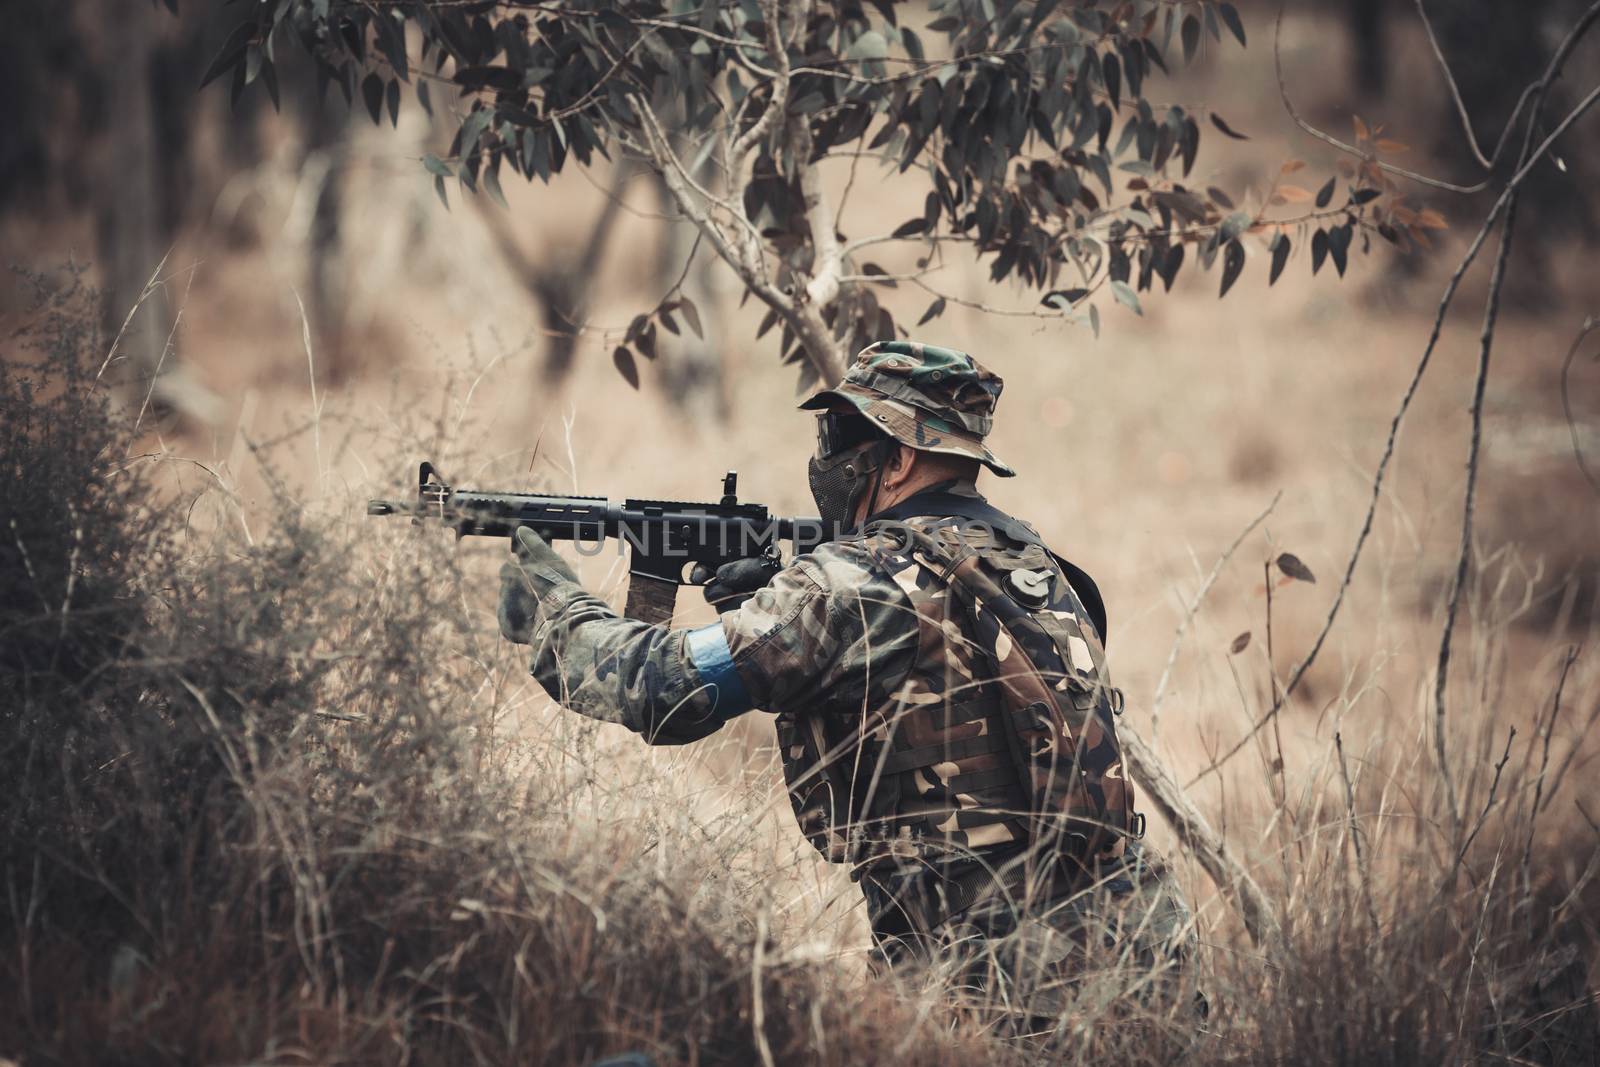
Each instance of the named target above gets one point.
<point>939,504</point>
<point>910,759</point>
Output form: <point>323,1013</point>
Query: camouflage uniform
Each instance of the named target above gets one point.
<point>886,718</point>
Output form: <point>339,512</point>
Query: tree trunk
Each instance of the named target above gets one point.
<point>129,206</point>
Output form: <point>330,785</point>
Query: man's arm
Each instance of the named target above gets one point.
<point>826,632</point>
<point>599,664</point>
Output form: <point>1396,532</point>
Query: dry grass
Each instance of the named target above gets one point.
<point>277,792</point>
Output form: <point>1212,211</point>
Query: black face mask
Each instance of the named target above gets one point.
<point>839,482</point>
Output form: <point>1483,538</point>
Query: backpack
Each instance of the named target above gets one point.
<point>1042,643</point>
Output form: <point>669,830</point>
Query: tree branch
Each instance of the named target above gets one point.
<point>1461,105</point>
<point>827,256</point>
<point>804,319</point>
<point>1500,205</point>
<point>1197,836</point>
<point>1491,311</point>
<point>1590,325</point>
<point>764,123</point>
<point>1326,138</point>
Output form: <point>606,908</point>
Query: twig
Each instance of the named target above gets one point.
<point>1355,834</point>
<point>149,287</point>
<point>1461,106</point>
<point>758,1016</point>
<point>1405,404</point>
<point>1458,583</point>
<point>1194,608</point>
<point>1488,805</point>
<point>1590,325</point>
<point>1548,730</point>
<point>1196,835</point>
<point>311,376</point>
<point>1491,312</point>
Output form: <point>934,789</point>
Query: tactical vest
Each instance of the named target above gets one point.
<point>1003,734</point>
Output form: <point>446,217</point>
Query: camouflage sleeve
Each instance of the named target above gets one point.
<point>599,664</point>
<point>832,632</point>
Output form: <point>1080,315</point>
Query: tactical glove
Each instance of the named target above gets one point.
<point>536,570</point>
<point>736,582</point>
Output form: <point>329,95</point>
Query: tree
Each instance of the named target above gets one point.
<point>1029,120</point>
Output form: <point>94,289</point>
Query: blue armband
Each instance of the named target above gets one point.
<point>713,660</point>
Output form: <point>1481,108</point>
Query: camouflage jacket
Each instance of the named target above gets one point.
<point>854,649</point>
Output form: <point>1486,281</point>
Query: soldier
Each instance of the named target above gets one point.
<point>937,677</point>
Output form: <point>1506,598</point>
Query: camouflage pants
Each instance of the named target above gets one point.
<point>1124,945</point>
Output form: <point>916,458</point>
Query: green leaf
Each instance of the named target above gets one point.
<point>1094,320</point>
<point>424,97</point>
<point>232,51</point>
<point>392,97</point>
<point>935,309</point>
<point>1191,37</point>
<point>1339,246</point>
<point>623,360</point>
<point>1280,256</point>
<point>1235,224</point>
<point>436,166</point>
<point>491,182</point>
<point>1325,194</point>
<point>391,38</point>
<point>691,315</point>
<point>1126,296</point>
<point>1216,120</point>
<point>1230,16</point>
<point>1111,72</point>
<point>438,187</point>
<point>1232,264</point>
<point>869,46</point>
<point>372,94</point>
<point>1319,250</point>
<point>912,44</point>
<point>911,227</point>
<point>1061,299</point>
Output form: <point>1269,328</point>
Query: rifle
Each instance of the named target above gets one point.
<point>665,536</point>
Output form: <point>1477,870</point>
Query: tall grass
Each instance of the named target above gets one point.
<point>276,791</point>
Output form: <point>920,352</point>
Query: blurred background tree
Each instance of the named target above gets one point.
<point>1029,123</point>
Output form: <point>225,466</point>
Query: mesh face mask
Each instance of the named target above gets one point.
<point>838,482</point>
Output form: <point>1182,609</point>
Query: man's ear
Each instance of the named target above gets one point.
<point>898,468</point>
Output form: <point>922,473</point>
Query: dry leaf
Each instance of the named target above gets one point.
<point>1294,194</point>
<point>1362,133</point>
<point>1290,564</point>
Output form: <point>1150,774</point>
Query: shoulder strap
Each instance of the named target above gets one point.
<point>977,509</point>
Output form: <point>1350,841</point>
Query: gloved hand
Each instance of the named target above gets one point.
<point>734,583</point>
<point>524,580</point>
